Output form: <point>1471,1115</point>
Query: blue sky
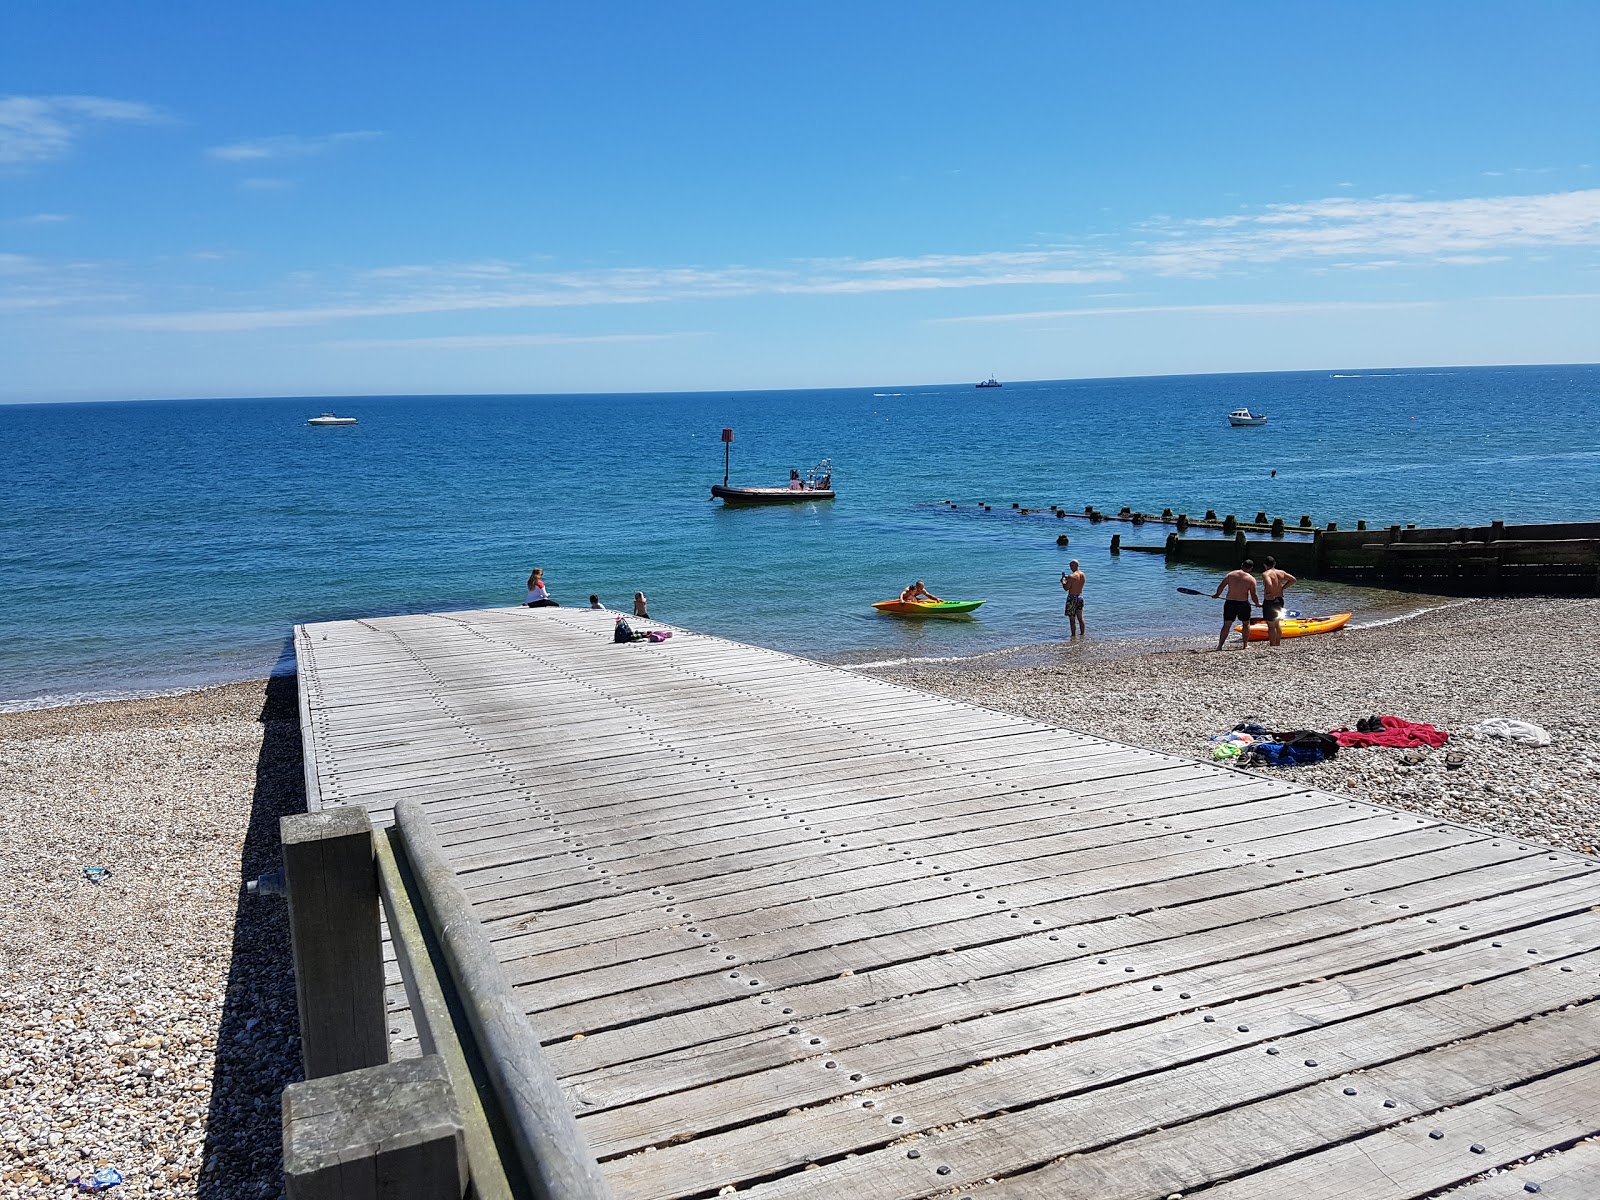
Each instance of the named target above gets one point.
<point>298,199</point>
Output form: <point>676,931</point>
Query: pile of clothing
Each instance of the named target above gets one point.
<point>1257,745</point>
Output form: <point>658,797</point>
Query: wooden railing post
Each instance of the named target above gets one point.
<point>332,886</point>
<point>391,1132</point>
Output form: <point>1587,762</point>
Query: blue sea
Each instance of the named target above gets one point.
<point>154,545</point>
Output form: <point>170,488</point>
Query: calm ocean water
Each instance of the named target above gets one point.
<point>159,544</point>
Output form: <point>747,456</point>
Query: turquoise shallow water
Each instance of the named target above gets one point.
<point>159,544</point>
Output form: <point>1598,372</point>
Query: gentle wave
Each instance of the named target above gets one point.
<point>70,699</point>
<point>921,658</point>
<point>1410,616</point>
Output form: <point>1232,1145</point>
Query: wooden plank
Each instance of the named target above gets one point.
<point>1123,1084</point>
<point>1571,1175</point>
<point>913,1040</point>
<point>1431,883</point>
<point>1403,1161</point>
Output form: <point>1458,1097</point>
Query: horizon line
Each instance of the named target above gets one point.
<point>396,395</point>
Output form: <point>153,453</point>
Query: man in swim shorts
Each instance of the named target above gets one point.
<point>1273,584</point>
<point>1073,586</point>
<point>1241,585</point>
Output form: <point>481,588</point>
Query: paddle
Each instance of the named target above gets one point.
<point>1192,592</point>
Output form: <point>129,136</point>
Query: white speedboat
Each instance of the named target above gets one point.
<point>1243,416</point>
<point>330,419</point>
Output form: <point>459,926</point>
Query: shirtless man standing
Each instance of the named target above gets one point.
<point>1273,584</point>
<point>1241,585</point>
<point>1073,585</point>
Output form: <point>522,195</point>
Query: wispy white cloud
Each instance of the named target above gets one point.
<point>1402,228</point>
<point>288,145</point>
<point>1288,309</point>
<point>1340,234</point>
<point>498,341</point>
<point>35,129</point>
<point>40,219</point>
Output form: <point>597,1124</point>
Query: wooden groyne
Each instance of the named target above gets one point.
<point>1559,558</point>
<point>1491,560</point>
<point>698,918</point>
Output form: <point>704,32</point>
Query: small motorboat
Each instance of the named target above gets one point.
<point>991,382</point>
<point>927,608</point>
<point>1298,626</point>
<point>815,484</point>
<point>1243,416</point>
<point>330,419</point>
<point>770,495</point>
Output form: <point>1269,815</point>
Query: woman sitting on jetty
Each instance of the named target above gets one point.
<point>538,595</point>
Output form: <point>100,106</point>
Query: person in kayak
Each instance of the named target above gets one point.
<point>1273,584</point>
<point>1073,585</point>
<point>918,594</point>
<point>1241,586</point>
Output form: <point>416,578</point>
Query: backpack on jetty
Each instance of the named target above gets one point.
<point>625,633</point>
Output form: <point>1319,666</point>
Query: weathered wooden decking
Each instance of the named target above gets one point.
<point>789,929</point>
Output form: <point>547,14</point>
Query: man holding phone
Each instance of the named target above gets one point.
<point>1073,585</point>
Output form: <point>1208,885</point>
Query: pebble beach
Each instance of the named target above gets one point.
<point>1531,660</point>
<point>148,1016</point>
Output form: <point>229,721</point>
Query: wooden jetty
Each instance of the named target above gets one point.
<point>695,918</point>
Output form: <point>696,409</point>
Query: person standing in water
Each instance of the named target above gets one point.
<point>538,594</point>
<point>1241,585</point>
<point>641,606</point>
<point>1273,584</point>
<point>1073,586</point>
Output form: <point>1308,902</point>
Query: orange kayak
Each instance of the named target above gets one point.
<point>1299,626</point>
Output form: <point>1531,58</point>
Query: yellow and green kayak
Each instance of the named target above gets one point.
<point>924,608</point>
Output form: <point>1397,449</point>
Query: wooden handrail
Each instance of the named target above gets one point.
<point>436,1027</point>
<point>543,1129</point>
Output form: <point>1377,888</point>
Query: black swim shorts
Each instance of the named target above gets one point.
<point>1236,610</point>
<point>1273,608</point>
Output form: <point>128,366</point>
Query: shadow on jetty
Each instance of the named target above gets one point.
<point>258,1042</point>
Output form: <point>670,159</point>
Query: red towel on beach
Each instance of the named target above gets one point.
<point>1396,732</point>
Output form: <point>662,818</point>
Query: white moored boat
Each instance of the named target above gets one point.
<point>1243,416</point>
<point>330,419</point>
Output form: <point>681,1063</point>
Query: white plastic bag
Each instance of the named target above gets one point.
<point>1518,731</point>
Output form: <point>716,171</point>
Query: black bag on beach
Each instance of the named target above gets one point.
<point>1307,741</point>
<point>623,632</point>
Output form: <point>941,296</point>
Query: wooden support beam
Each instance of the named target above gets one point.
<point>338,952</point>
<point>390,1132</point>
